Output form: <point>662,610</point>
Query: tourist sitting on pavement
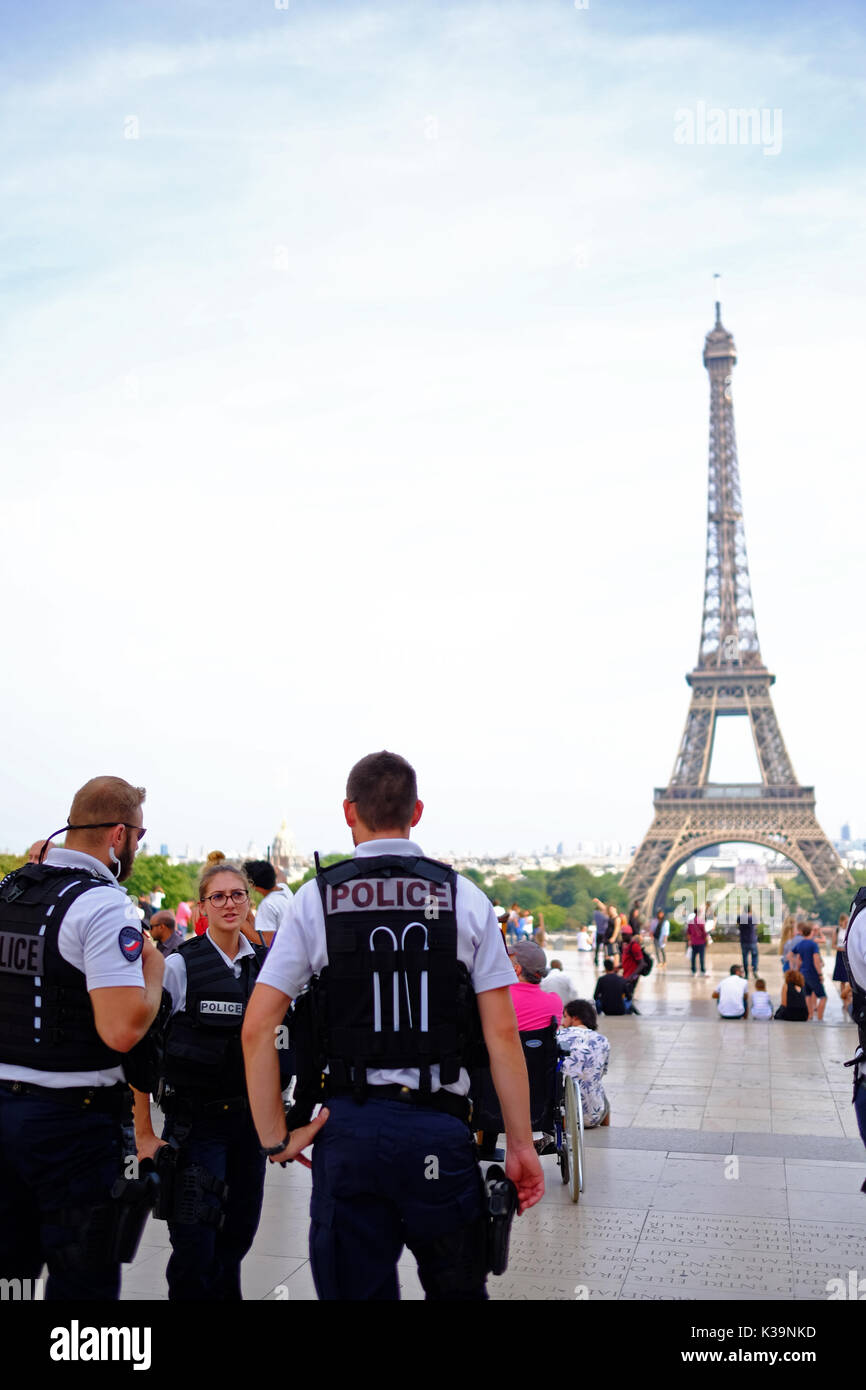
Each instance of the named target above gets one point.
<point>584,942</point>
<point>732,994</point>
<point>793,1008</point>
<point>761,1003</point>
<point>812,970</point>
<point>533,1006</point>
<point>632,964</point>
<point>611,991</point>
<point>558,982</point>
<point>587,1052</point>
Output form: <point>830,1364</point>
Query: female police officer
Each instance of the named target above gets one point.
<point>220,1173</point>
<point>398,941</point>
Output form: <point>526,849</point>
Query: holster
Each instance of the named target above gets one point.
<point>502,1204</point>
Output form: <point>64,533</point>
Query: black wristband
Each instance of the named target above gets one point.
<point>276,1148</point>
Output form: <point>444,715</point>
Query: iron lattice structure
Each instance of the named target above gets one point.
<point>730,678</point>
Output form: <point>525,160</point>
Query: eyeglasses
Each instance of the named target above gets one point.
<point>108,825</point>
<point>239,896</point>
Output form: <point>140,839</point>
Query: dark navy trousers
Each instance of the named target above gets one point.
<point>54,1158</point>
<point>388,1175</point>
<point>205,1263</point>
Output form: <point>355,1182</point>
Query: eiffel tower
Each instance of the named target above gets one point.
<point>730,678</point>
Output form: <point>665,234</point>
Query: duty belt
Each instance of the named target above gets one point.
<point>172,1102</point>
<point>445,1101</point>
<point>104,1099</point>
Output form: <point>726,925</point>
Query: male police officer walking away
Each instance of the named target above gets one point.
<point>79,987</point>
<point>402,948</point>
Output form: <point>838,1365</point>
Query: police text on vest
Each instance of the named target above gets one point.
<point>76,1343</point>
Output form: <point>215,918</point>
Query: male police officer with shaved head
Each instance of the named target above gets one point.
<point>402,948</point>
<point>79,987</point>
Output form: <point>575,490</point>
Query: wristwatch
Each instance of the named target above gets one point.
<point>275,1148</point>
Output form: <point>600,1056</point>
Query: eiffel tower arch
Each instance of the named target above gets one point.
<point>730,678</point>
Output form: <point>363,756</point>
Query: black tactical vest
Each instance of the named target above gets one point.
<point>46,1018</point>
<point>393,994</point>
<point>203,1056</point>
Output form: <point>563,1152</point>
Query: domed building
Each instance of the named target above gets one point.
<point>284,853</point>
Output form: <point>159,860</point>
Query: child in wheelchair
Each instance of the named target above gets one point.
<point>585,1057</point>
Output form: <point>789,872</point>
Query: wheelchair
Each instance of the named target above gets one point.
<point>555,1106</point>
<point>569,1133</point>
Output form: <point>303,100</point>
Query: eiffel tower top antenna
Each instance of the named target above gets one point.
<point>716,296</point>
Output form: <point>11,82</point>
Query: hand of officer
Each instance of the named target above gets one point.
<point>148,1147</point>
<point>299,1139</point>
<point>522,1166</point>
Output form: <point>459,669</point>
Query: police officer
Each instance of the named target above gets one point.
<point>855,958</point>
<point>220,1172</point>
<point>79,987</point>
<point>403,947</point>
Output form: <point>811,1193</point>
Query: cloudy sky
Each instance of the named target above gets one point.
<point>352,397</point>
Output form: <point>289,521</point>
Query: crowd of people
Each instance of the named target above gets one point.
<point>215,1008</point>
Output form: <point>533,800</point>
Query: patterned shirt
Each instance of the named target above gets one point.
<point>586,1060</point>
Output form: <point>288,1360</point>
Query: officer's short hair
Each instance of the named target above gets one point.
<point>163,919</point>
<point>384,789</point>
<point>261,874</point>
<point>106,799</point>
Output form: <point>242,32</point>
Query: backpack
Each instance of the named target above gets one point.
<point>647,962</point>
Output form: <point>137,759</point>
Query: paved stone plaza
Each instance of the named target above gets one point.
<point>667,1213</point>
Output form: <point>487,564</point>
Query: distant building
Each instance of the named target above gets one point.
<point>751,873</point>
<point>846,833</point>
<point>284,853</point>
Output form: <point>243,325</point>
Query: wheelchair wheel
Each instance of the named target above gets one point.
<point>574,1139</point>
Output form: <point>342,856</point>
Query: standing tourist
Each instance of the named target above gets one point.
<point>394,1099</point>
<point>164,932</point>
<point>600,920</point>
<point>812,970</point>
<point>276,901</point>
<point>661,932</point>
<point>79,996</point>
<point>696,934</point>
<point>840,972</point>
<point>748,931</point>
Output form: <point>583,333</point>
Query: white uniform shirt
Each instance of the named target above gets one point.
<point>855,945</point>
<point>296,955</point>
<point>174,979</point>
<point>89,939</point>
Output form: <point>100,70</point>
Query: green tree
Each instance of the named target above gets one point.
<point>178,881</point>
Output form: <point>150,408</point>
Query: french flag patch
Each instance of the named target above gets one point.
<point>131,943</point>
